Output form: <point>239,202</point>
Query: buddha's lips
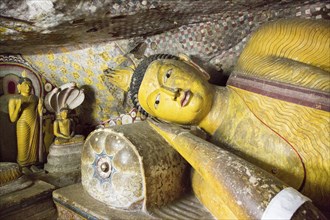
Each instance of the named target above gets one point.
<point>185,99</point>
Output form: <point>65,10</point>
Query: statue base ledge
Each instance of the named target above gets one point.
<point>33,202</point>
<point>73,202</point>
<point>15,185</point>
<point>59,179</point>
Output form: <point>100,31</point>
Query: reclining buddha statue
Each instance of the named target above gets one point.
<point>273,112</point>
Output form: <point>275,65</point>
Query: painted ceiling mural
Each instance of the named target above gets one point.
<point>75,41</point>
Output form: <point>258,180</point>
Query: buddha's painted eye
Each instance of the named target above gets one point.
<point>167,75</point>
<point>157,101</point>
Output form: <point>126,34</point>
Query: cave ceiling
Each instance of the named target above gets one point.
<point>26,25</point>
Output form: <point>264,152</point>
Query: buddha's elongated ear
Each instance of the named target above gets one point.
<point>120,76</point>
<point>187,59</point>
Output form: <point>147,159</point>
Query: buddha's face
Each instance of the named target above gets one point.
<point>25,87</point>
<point>174,91</point>
<point>64,114</point>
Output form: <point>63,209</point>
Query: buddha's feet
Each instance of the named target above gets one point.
<point>11,178</point>
<point>9,172</point>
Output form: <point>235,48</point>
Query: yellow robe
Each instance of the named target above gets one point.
<point>27,130</point>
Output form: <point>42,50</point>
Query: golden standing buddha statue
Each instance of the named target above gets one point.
<point>25,109</point>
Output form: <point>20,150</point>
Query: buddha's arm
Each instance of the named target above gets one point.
<point>236,187</point>
<point>14,107</point>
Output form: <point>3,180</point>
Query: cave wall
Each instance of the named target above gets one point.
<point>84,65</point>
<point>77,40</point>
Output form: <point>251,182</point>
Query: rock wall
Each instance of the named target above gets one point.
<point>76,40</point>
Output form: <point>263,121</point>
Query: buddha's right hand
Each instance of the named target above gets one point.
<point>18,103</point>
<point>14,107</point>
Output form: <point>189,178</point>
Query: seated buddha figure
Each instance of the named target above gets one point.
<point>61,100</point>
<point>64,129</point>
<point>274,110</point>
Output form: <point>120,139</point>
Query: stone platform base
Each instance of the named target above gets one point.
<point>73,202</point>
<point>33,202</point>
<point>58,179</point>
<point>64,157</point>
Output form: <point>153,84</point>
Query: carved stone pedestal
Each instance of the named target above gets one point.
<point>64,157</point>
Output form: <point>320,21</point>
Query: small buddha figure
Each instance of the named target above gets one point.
<point>274,111</point>
<point>60,100</point>
<point>25,109</point>
<point>67,143</point>
<point>63,127</point>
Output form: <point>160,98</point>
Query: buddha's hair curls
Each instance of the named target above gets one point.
<point>138,75</point>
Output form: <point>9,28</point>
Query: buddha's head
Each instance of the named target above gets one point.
<point>171,89</point>
<point>24,86</point>
<point>63,114</point>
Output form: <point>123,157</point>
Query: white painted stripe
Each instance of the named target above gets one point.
<point>284,204</point>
